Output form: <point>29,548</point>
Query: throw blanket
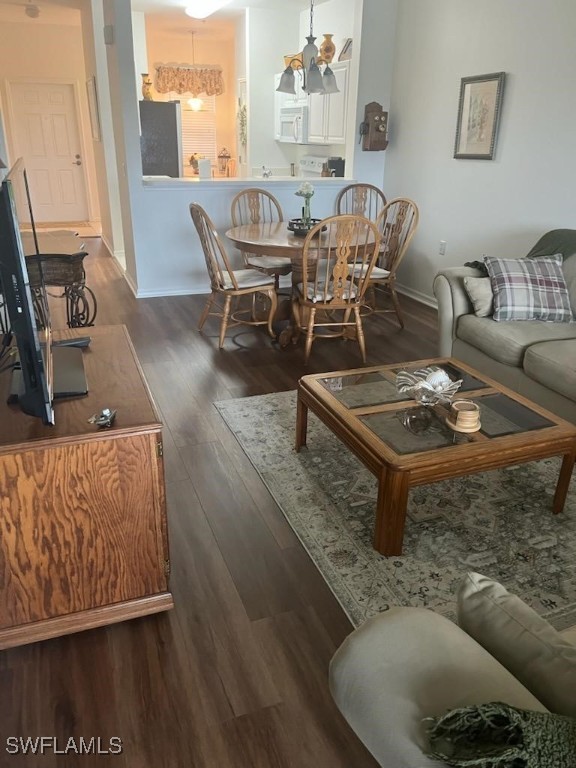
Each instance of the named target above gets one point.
<point>498,735</point>
<point>556,241</point>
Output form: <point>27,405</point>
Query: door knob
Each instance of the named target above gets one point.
<point>76,162</point>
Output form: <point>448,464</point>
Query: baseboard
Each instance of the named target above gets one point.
<point>423,298</point>
<point>151,294</point>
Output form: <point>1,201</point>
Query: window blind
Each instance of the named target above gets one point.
<point>199,130</point>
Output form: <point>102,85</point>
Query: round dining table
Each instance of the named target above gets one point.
<point>267,239</point>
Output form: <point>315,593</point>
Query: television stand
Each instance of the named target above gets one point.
<point>83,529</point>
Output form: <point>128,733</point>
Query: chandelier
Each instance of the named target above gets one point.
<point>314,81</point>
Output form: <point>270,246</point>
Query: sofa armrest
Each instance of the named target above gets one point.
<point>453,302</point>
<point>408,664</point>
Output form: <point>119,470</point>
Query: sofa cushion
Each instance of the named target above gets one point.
<point>408,664</point>
<point>507,342</point>
<point>553,364</point>
<point>525,643</point>
<point>479,289</point>
<point>529,289</point>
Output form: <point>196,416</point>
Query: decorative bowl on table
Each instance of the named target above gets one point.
<point>428,386</point>
<point>299,228</point>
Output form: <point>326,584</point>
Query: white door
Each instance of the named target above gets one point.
<point>47,137</point>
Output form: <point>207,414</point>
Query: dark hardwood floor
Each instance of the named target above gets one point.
<point>236,675</point>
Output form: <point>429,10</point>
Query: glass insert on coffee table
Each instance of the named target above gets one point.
<point>404,443</point>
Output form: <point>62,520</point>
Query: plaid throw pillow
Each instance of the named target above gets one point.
<point>529,289</point>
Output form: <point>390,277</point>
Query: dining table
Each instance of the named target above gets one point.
<point>270,238</point>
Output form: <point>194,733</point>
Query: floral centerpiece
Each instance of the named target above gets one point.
<point>305,190</point>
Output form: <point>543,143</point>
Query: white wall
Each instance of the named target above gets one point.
<point>335,17</point>
<point>371,69</point>
<point>498,207</point>
<point>270,34</point>
<point>106,174</point>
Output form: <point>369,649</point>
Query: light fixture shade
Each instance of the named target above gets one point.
<point>310,52</point>
<point>195,104</point>
<point>287,81</point>
<point>329,81</point>
<point>314,82</point>
<point>200,9</point>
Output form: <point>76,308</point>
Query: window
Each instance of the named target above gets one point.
<point>199,130</point>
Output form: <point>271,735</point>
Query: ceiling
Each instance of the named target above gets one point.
<point>66,11</point>
<point>178,6</point>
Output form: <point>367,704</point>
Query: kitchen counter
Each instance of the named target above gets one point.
<point>157,182</point>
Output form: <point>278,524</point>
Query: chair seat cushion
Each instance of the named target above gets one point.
<point>316,293</point>
<point>377,272</point>
<point>269,262</point>
<point>247,278</point>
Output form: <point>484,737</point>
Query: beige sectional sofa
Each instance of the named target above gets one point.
<point>536,359</point>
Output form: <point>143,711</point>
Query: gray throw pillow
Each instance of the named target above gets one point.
<point>521,640</point>
<point>479,290</point>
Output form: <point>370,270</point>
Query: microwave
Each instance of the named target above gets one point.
<point>292,125</point>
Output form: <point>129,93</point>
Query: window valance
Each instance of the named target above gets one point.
<point>189,78</point>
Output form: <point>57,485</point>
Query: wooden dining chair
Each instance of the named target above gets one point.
<point>254,206</point>
<point>337,259</point>
<point>397,223</point>
<point>361,199</point>
<point>227,283</point>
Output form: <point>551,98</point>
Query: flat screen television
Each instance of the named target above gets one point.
<point>26,315</point>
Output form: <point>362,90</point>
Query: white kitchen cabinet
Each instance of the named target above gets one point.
<point>327,113</point>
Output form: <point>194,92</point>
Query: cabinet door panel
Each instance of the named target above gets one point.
<point>80,527</point>
<point>337,109</point>
<point>317,119</point>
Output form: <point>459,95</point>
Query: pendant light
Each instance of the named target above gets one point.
<point>194,103</point>
<point>313,79</point>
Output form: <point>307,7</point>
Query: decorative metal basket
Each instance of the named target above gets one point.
<point>56,269</point>
<point>429,386</point>
<point>300,229</point>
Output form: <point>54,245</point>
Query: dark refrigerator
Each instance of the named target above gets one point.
<point>161,138</point>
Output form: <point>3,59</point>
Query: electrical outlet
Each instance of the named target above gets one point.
<point>442,248</point>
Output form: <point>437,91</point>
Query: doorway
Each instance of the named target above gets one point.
<point>45,131</point>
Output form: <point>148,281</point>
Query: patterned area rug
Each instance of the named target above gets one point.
<point>498,523</point>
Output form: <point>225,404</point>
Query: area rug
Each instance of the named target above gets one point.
<point>498,523</point>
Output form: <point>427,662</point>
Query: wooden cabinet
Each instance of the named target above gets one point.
<point>327,114</point>
<point>83,531</point>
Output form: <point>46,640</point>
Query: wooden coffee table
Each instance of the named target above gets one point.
<point>405,444</point>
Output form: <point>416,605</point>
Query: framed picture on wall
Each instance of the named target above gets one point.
<point>478,116</point>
